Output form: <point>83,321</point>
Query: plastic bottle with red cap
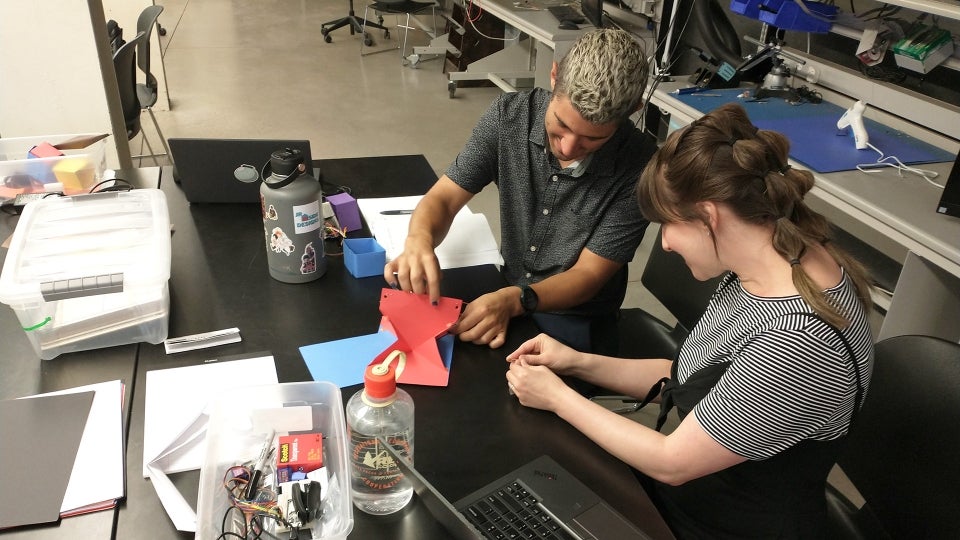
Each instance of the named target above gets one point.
<point>380,412</point>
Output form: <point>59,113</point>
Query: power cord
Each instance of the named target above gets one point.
<point>893,161</point>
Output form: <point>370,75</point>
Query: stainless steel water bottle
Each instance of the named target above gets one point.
<point>290,199</point>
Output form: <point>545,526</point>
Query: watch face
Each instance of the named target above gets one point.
<point>528,299</point>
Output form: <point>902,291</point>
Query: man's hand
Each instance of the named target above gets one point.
<point>416,269</point>
<point>484,321</point>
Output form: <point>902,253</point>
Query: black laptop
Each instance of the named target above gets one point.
<point>538,500</point>
<point>204,168</point>
<point>950,199</point>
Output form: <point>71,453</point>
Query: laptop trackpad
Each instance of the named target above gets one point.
<point>600,521</point>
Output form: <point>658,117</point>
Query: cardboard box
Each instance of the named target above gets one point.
<point>923,48</point>
<point>90,271</point>
<point>346,210</point>
<point>363,257</point>
<point>298,453</point>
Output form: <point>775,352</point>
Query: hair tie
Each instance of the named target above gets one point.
<point>733,141</point>
<point>783,170</point>
<point>794,262</point>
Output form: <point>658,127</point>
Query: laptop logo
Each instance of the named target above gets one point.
<point>544,474</point>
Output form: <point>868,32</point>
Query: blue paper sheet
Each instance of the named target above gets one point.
<point>343,361</point>
<point>815,140</point>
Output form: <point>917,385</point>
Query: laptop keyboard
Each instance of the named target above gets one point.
<point>511,512</point>
<point>566,13</point>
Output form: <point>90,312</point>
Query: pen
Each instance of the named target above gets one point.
<point>395,212</point>
<point>690,90</point>
<point>258,467</point>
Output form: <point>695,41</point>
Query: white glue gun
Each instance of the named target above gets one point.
<point>853,119</point>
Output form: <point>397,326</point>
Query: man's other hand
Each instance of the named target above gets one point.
<point>484,321</point>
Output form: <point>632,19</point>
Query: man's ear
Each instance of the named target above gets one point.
<point>553,75</point>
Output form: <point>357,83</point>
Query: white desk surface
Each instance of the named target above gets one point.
<point>528,17</point>
<point>893,213</point>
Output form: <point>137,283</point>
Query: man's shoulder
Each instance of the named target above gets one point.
<point>522,100</point>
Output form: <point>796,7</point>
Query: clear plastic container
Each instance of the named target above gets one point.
<point>90,271</point>
<point>237,432</point>
<point>77,170</point>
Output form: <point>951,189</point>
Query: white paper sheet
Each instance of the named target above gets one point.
<point>468,243</point>
<point>96,481</point>
<point>176,419</point>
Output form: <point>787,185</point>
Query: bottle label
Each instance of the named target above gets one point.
<point>372,463</point>
<point>306,217</point>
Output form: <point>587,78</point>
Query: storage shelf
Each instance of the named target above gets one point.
<point>933,7</point>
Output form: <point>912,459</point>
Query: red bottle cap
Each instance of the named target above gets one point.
<point>379,381</point>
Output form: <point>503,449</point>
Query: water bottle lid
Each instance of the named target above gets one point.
<point>379,381</point>
<point>285,165</point>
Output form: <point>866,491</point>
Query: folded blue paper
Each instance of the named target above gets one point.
<point>343,361</point>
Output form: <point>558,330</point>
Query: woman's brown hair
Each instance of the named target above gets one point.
<point>722,157</point>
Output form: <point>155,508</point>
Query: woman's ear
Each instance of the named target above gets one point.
<point>710,213</point>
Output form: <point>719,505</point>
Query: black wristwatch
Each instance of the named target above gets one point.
<point>528,299</point>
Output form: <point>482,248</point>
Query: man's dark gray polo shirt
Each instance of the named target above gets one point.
<point>549,215</point>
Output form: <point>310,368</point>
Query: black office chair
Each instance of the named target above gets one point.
<point>147,92</point>
<point>125,66</point>
<point>401,7</point>
<point>901,454</point>
<point>356,24</point>
<point>668,279</point>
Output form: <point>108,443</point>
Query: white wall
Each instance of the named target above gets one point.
<point>56,72</point>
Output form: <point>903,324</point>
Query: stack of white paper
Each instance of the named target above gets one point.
<point>469,242</point>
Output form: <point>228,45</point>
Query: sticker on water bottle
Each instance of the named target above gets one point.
<point>306,217</point>
<point>308,261</point>
<point>372,465</point>
<point>280,242</point>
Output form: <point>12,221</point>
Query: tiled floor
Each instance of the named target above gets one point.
<point>261,69</point>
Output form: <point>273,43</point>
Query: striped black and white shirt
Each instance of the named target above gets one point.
<point>790,378</point>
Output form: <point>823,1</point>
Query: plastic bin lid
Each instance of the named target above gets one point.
<point>61,241</point>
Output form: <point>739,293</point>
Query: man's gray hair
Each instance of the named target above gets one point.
<point>604,75</point>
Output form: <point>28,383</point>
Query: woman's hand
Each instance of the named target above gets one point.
<point>537,386</point>
<point>543,350</point>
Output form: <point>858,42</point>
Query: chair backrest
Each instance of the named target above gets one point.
<point>667,277</point>
<point>145,23</point>
<point>125,65</point>
<point>901,454</point>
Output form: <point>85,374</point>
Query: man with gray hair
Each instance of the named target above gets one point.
<point>566,164</point>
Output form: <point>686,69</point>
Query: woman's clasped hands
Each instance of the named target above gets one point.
<point>534,372</point>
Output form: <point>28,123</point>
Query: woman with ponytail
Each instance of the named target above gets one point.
<point>770,379</point>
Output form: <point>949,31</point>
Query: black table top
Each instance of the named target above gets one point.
<point>467,433</point>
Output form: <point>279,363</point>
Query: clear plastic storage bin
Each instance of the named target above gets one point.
<point>90,271</point>
<point>239,426</point>
<point>77,170</point>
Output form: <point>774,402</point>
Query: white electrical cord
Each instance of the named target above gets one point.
<point>893,161</point>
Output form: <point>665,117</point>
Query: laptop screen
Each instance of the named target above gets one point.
<point>950,199</point>
<point>204,168</point>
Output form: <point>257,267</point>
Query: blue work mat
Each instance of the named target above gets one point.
<point>815,140</point>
